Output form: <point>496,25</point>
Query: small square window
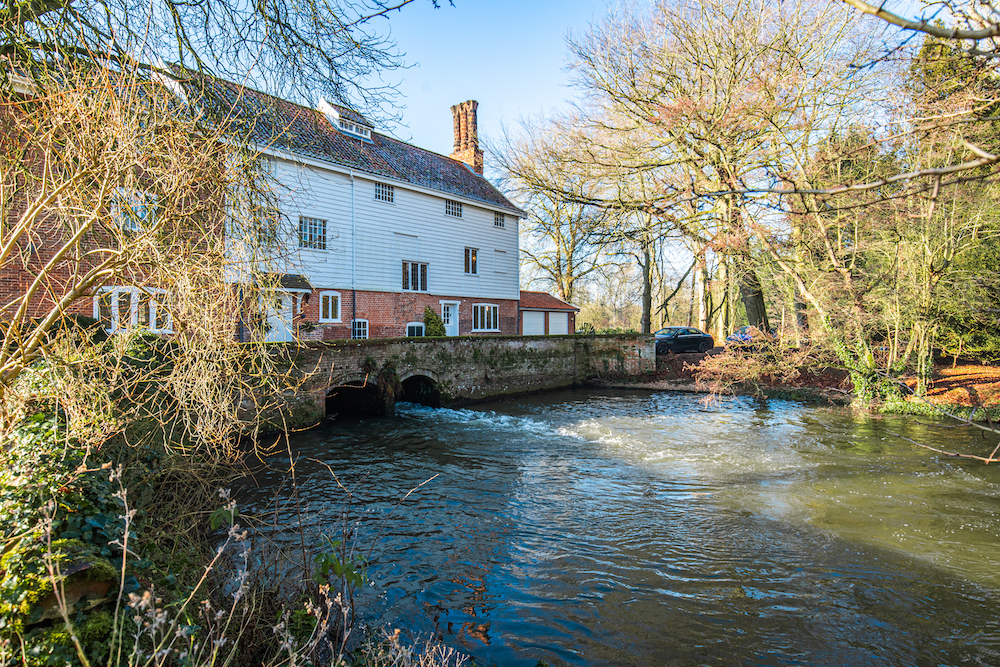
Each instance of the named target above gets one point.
<point>384,192</point>
<point>312,233</point>
<point>453,208</point>
<point>359,329</point>
<point>471,261</point>
<point>498,220</point>
<point>414,329</point>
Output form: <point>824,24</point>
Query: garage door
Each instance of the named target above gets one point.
<point>558,323</point>
<point>534,323</point>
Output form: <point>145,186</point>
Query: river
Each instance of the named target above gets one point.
<point>631,527</point>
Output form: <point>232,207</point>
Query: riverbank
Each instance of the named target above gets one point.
<point>961,388</point>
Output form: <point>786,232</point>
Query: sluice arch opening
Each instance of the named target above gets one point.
<point>421,389</point>
<point>357,398</point>
<point>361,397</point>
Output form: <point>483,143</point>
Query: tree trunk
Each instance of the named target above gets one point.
<point>752,294</point>
<point>801,318</point>
<point>724,302</point>
<point>694,289</point>
<point>702,275</point>
<point>647,288</point>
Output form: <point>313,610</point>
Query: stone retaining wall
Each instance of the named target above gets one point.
<point>465,368</point>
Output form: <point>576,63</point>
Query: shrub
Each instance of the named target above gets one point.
<point>433,325</point>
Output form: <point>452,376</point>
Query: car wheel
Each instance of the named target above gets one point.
<point>661,348</point>
<point>703,347</point>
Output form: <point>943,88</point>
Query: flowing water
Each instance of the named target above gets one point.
<point>597,528</point>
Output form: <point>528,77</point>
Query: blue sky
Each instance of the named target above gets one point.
<point>509,55</point>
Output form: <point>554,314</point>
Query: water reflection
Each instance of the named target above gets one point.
<point>639,528</point>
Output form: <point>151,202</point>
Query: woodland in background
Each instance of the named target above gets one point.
<point>795,166</point>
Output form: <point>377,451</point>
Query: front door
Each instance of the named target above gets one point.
<point>449,315</point>
<point>279,318</point>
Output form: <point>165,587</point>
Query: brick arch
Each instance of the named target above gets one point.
<point>414,372</point>
<point>348,378</point>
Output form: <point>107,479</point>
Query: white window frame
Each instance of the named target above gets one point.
<point>136,294</point>
<point>499,220</point>
<point>482,313</point>
<point>141,210</point>
<point>329,293</point>
<point>357,326</point>
<point>423,329</point>
<point>384,192</point>
<point>312,239</point>
<point>453,208</point>
<point>472,261</point>
<point>407,284</point>
<point>350,127</point>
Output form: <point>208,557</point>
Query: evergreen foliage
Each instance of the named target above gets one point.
<point>433,325</point>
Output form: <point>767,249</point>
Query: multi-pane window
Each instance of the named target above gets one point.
<point>359,329</point>
<point>312,233</point>
<point>471,260</point>
<point>122,308</point>
<point>384,192</point>
<point>134,211</point>
<point>498,220</point>
<point>414,329</point>
<point>414,277</point>
<point>453,208</point>
<point>353,128</point>
<point>485,317</point>
<point>329,306</point>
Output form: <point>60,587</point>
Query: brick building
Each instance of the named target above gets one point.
<point>376,230</point>
<point>545,315</point>
<point>368,230</point>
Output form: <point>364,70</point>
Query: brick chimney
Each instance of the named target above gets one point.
<point>467,135</point>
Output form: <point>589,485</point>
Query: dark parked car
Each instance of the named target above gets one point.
<point>683,339</point>
<point>750,336</point>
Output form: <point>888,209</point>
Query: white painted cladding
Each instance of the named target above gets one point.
<point>413,227</point>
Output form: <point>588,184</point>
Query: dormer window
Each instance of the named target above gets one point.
<point>355,129</point>
<point>345,125</point>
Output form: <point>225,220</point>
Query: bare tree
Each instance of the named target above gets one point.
<point>557,243</point>
<point>304,48</point>
<point>702,103</point>
<point>113,204</point>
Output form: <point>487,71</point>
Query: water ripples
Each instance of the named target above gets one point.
<point>639,528</point>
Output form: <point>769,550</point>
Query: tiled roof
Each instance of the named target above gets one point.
<point>294,281</point>
<point>285,125</point>
<point>543,301</point>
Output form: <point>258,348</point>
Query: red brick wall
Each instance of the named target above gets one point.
<point>388,313</point>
